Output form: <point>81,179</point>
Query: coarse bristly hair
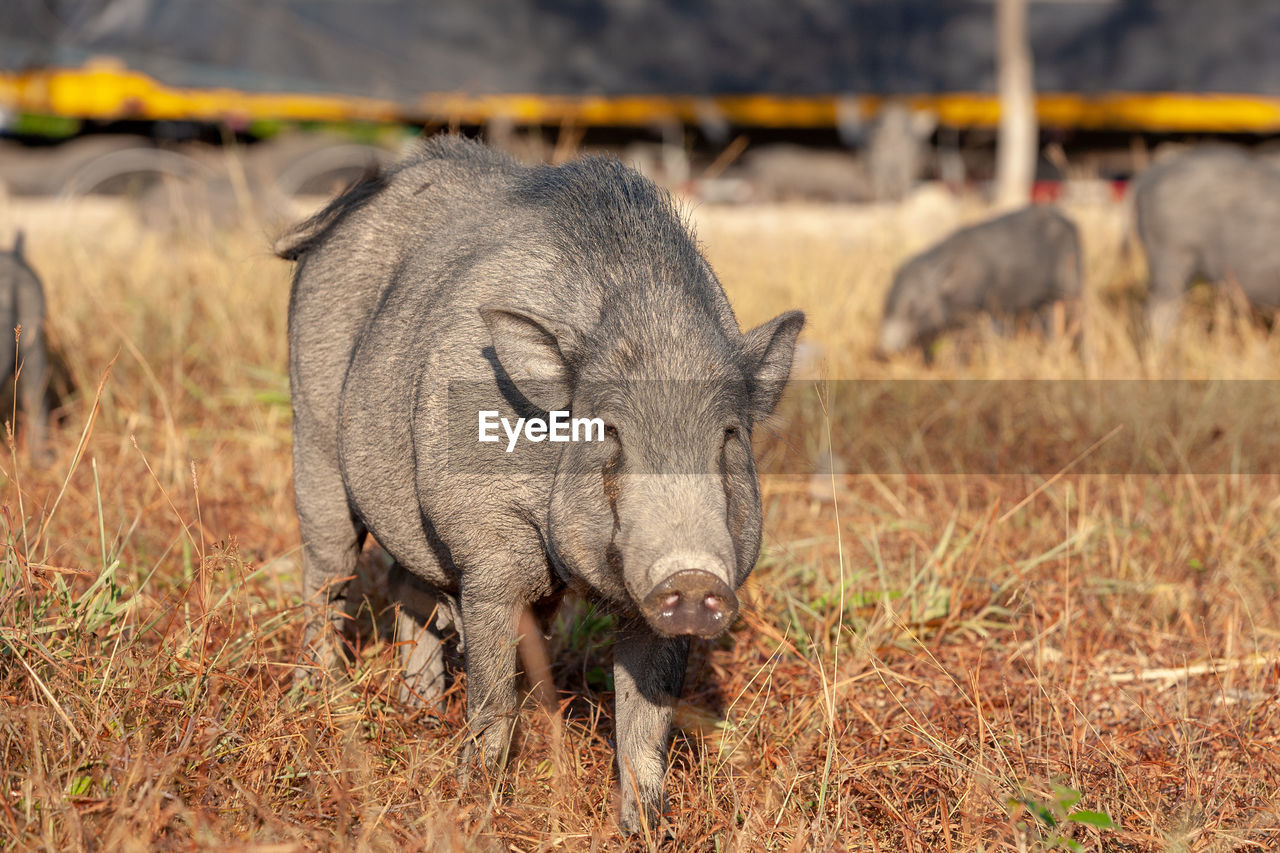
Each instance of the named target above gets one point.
<point>309,233</point>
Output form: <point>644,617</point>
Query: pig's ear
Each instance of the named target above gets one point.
<point>768,350</point>
<point>533,352</point>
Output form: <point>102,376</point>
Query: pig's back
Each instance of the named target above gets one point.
<point>363,311</point>
<point>349,262</point>
<point>1014,258</point>
<point>1219,206</point>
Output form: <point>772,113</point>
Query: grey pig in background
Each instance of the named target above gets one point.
<point>1016,263</point>
<point>896,150</point>
<point>1214,213</point>
<point>571,287</point>
<point>22,304</point>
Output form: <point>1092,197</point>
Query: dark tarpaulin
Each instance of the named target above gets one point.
<point>401,49</point>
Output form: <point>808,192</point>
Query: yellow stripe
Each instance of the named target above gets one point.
<point>105,92</point>
<point>109,91</point>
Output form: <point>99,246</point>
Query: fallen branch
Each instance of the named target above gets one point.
<point>1190,670</point>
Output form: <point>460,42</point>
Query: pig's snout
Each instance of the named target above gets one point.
<point>690,602</point>
<point>896,335</point>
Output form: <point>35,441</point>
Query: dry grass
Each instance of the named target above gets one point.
<point>917,651</point>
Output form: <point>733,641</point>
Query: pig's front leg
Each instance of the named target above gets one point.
<point>648,674</point>
<point>490,657</point>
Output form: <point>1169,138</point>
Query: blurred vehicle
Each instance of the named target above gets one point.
<point>817,73</point>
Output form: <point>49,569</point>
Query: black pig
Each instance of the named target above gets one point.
<point>573,288</point>
<point>1214,213</point>
<point>1010,265</point>
<point>22,304</point>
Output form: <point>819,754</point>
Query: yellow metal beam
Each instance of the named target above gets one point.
<point>107,90</point>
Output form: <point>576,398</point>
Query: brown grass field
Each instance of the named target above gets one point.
<point>925,662</point>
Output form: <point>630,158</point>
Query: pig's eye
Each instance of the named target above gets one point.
<point>611,431</point>
<point>730,432</point>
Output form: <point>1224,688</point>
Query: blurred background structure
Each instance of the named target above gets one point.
<point>760,94</point>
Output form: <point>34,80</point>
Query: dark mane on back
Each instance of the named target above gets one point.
<point>612,229</point>
<point>603,213</point>
<point>306,235</point>
<point>458,150</point>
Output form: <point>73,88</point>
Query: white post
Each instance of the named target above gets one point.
<point>1017,144</point>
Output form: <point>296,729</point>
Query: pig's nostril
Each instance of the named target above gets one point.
<point>690,602</point>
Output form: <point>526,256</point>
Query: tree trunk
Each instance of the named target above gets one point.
<point>1016,147</point>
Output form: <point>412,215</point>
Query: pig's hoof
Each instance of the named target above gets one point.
<point>425,697</point>
<point>307,681</point>
<point>318,666</point>
<point>477,770</point>
<point>637,820</point>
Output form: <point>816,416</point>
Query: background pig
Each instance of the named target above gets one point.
<point>571,287</point>
<point>1015,263</point>
<point>896,150</point>
<point>22,304</point>
<point>1214,213</point>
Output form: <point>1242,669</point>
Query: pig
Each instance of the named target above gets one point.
<point>22,305</point>
<point>795,171</point>
<point>1212,212</point>
<point>1016,263</point>
<point>897,150</point>
<point>571,288</point>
